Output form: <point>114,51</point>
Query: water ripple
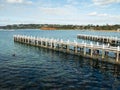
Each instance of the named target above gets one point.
<point>41,69</point>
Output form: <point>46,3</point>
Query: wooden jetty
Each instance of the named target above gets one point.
<point>97,52</point>
<point>104,39</point>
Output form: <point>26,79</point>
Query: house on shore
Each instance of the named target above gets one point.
<point>118,30</point>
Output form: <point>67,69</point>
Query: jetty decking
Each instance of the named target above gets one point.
<point>99,52</point>
<point>104,39</point>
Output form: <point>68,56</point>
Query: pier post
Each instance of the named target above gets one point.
<point>108,44</point>
<point>28,40</point>
<point>76,51</point>
<point>24,39</point>
<point>107,39</point>
<point>54,44</point>
<point>117,56</point>
<point>97,44</point>
<point>103,39</point>
<point>37,39</point>
<point>33,40</point>
<point>51,45</point>
<point>41,40</point>
<point>20,38</point>
<point>116,39</point>
<point>103,52</point>
<point>91,49</point>
<point>61,46</point>
<point>14,37</point>
<point>68,49</point>
<point>75,47</point>
<point>84,49</point>
<point>46,42</point>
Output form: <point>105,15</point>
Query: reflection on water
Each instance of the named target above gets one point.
<point>48,69</point>
<point>34,68</point>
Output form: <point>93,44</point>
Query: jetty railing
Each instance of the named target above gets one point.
<point>91,50</point>
<point>104,39</point>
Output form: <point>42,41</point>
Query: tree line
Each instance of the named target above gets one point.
<point>58,26</point>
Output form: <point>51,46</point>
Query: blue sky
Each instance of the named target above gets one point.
<point>80,12</point>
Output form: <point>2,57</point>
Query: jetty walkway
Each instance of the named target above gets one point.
<point>104,39</point>
<point>97,52</point>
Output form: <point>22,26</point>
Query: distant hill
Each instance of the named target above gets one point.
<point>48,28</point>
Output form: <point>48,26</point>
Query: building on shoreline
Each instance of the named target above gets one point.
<point>118,30</point>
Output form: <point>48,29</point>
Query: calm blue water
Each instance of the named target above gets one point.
<point>36,68</point>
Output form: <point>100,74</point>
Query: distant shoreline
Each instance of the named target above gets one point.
<point>90,27</point>
<point>48,28</point>
<point>106,30</point>
<point>55,29</point>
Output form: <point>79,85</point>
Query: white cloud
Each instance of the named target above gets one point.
<point>97,14</point>
<point>50,12</point>
<point>65,10</point>
<point>19,1</point>
<point>93,14</point>
<point>29,2</point>
<point>103,14</point>
<point>4,20</point>
<point>1,6</point>
<point>14,1</point>
<point>72,2</point>
<point>105,2</point>
<point>102,18</point>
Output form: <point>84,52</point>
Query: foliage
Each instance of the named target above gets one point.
<point>57,26</point>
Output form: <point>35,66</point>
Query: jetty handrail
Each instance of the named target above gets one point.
<point>70,42</point>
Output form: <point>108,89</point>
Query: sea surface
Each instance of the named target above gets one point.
<point>35,68</point>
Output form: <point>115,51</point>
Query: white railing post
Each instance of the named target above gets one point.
<point>97,44</point>
<point>103,52</point>
<point>75,47</point>
<point>68,42</point>
<point>51,41</point>
<point>84,48</point>
<point>91,49</point>
<point>117,53</point>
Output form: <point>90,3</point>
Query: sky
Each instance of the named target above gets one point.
<point>76,12</point>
